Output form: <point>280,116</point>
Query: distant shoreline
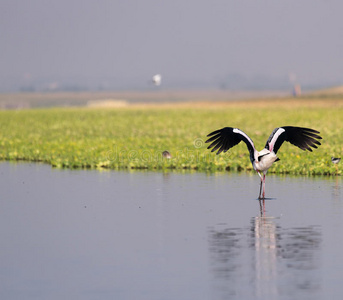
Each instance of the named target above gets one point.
<point>27,100</point>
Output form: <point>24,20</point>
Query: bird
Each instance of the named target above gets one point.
<point>157,79</point>
<point>223,139</point>
<point>166,154</point>
<point>335,160</point>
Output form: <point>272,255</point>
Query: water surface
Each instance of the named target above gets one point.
<point>146,235</point>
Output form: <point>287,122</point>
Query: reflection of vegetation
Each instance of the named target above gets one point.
<point>225,247</point>
<point>299,245</point>
<point>135,137</point>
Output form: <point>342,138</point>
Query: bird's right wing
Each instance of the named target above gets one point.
<point>228,137</point>
<point>304,138</point>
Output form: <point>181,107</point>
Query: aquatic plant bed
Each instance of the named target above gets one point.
<point>135,136</point>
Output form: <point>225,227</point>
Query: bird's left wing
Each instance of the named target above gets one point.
<point>228,137</point>
<point>304,138</point>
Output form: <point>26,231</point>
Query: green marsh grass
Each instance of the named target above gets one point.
<point>135,137</point>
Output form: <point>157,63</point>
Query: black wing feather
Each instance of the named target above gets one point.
<point>304,138</point>
<point>223,139</point>
<point>226,138</point>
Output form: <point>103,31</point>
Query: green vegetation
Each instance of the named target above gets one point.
<point>135,137</point>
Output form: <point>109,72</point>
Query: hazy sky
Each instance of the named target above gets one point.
<point>124,42</point>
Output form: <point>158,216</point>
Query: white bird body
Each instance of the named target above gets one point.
<point>228,137</point>
<point>264,161</point>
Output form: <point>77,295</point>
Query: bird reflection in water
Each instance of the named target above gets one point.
<point>265,260</point>
<point>264,242</point>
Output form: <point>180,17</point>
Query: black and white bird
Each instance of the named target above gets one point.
<point>224,139</point>
<point>335,160</point>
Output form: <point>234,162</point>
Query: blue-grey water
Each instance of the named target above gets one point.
<point>147,235</point>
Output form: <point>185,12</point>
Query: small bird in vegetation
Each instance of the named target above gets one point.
<point>166,154</point>
<point>228,137</point>
<point>335,160</point>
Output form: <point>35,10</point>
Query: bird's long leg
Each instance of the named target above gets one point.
<point>264,185</point>
<point>259,174</point>
<point>259,195</point>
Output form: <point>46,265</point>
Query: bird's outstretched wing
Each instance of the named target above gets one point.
<point>228,137</point>
<point>304,138</point>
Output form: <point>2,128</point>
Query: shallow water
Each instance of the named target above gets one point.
<point>144,235</point>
